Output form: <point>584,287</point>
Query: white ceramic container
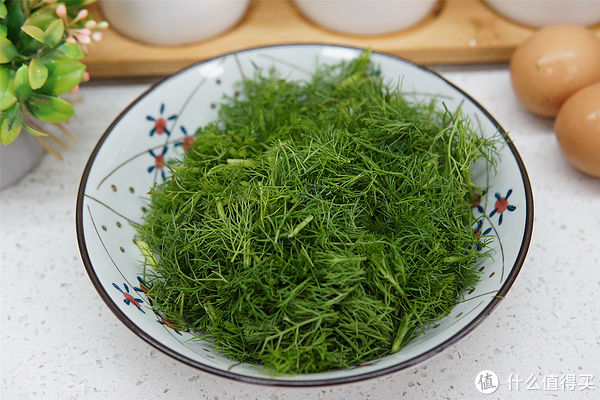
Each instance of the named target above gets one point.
<point>540,13</point>
<point>173,22</point>
<point>366,17</point>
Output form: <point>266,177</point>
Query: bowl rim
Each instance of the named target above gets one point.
<point>514,271</point>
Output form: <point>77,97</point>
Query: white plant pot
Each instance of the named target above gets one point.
<point>18,158</point>
<point>366,17</point>
<point>173,22</point>
<point>538,13</point>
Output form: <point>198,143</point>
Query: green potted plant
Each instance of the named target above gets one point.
<point>41,45</point>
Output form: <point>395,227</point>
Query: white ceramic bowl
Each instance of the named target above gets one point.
<point>366,17</point>
<point>127,162</point>
<point>540,13</point>
<point>173,22</point>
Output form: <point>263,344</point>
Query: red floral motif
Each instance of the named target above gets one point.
<point>502,205</point>
<point>159,161</point>
<point>128,298</point>
<point>160,125</point>
<point>160,122</point>
<point>477,203</point>
<point>144,288</point>
<point>187,141</point>
<point>163,321</point>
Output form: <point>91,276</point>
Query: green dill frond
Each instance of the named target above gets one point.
<point>319,224</point>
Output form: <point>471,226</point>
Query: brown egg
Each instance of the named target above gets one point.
<point>577,129</point>
<point>553,64</point>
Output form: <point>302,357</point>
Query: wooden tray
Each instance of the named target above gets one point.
<point>457,32</point>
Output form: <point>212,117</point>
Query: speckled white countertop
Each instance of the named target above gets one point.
<point>58,340</point>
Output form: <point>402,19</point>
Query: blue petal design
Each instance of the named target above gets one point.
<point>150,169</point>
<point>500,219</point>
<point>511,207</point>
<point>508,193</point>
<point>172,117</point>
<point>498,196</point>
<point>117,287</point>
<point>150,118</point>
<point>493,212</point>
<point>162,108</point>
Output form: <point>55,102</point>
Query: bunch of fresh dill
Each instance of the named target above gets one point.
<point>316,225</point>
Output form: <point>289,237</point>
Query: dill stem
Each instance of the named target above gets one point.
<point>400,334</point>
<point>301,225</point>
<point>220,209</point>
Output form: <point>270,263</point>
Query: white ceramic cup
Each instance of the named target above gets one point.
<point>365,17</point>
<point>540,13</point>
<point>173,22</point>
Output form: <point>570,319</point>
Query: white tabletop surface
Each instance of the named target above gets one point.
<point>58,340</point>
